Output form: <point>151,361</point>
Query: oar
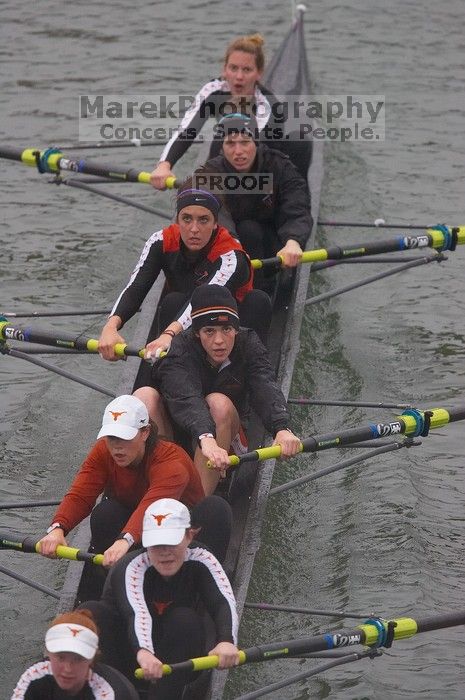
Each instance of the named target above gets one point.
<point>344,464</point>
<point>377,223</point>
<point>12,352</point>
<point>99,145</point>
<point>28,504</point>
<point>37,586</point>
<point>51,160</point>
<point>439,239</point>
<point>354,404</point>
<point>345,658</point>
<point>133,143</point>
<point>53,314</point>
<point>411,423</point>
<point>78,184</point>
<point>374,632</point>
<point>61,340</point>
<point>31,545</point>
<point>305,611</point>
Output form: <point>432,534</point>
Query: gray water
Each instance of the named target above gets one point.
<point>384,537</point>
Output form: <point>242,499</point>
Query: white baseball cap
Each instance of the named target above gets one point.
<point>165,522</point>
<point>123,417</point>
<point>71,637</point>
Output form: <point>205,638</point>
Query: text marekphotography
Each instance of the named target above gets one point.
<point>357,118</point>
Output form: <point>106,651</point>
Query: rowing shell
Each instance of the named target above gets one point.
<point>287,74</point>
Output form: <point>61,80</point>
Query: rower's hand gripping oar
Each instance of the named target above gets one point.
<point>51,160</point>
<point>31,545</point>
<point>68,341</point>
<point>440,238</point>
<point>375,632</point>
<point>201,663</point>
<point>412,423</point>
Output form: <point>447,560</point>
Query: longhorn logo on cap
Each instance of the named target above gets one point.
<point>117,414</point>
<point>160,518</point>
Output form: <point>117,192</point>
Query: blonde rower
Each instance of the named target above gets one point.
<point>237,90</point>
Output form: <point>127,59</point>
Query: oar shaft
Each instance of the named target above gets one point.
<point>12,352</point>
<point>74,554</point>
<point>28,504</point>
<point>379,224</point>
<point>369,224</point>
<point>201,663</point>
<point>53,161</point>
<point>61,340</point>
<point>430,623</point>
<point>431,239</point>
<point>336,402</point>
<point>37,586</point>
<point>368,634</point>
<point>54,314</point>
<point>304,611</point>
<point>401,425</point>
<point>56,161</point>
<point>371,633</point>
<point>30,545</point>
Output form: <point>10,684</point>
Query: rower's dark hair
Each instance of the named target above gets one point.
<point>253,44</point>
<point>153,438</point>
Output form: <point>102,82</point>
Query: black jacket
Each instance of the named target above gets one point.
<point>140,595</point>
<point>286,211</point>
<point>185,377</point>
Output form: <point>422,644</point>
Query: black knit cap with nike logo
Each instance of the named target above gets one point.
<point>236,123</point>
<point>213,305</point>
<point>200,198</point>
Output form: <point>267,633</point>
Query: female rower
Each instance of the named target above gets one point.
<point>132,468</point>
<point>214,373</point>
<point>191,252</point>
<point>71,670</point>
<point>238,90</point>
<point>153,607</point>
<point>268,220</point>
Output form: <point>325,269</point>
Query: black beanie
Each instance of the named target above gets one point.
<point>233,124</point>
<point>213,305</point>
